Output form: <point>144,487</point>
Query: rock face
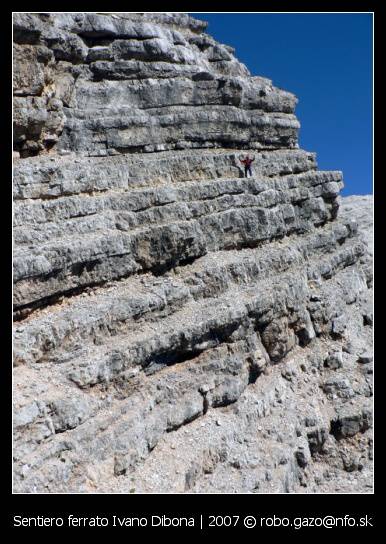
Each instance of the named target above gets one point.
<point>179,327</point>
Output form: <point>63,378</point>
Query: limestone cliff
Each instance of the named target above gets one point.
<point>178,327</point>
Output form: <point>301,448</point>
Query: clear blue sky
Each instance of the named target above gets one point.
<point>326,60</point>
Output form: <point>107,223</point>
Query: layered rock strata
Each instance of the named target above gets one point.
<point>178,327</point>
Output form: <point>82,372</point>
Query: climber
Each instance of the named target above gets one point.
<point>247,162</point>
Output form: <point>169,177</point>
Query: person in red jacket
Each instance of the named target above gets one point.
<point>247,162</point>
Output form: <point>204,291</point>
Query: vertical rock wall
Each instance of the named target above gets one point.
<point>178,327</point>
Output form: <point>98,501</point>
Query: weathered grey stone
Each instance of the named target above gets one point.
<point>316,439</point>
<point>69,413</point>
<point>178,327</point>
<point>339,326</point>
<point>303,454</point>
<point>365,358</point>
<point>340,387</point>
<point>350,422</point>
<point>159,63</point>
<point>334,360</point>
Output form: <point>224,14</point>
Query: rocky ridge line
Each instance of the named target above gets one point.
<point>179,328</point>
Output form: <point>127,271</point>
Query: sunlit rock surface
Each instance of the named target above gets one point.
<point>179,327</point>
